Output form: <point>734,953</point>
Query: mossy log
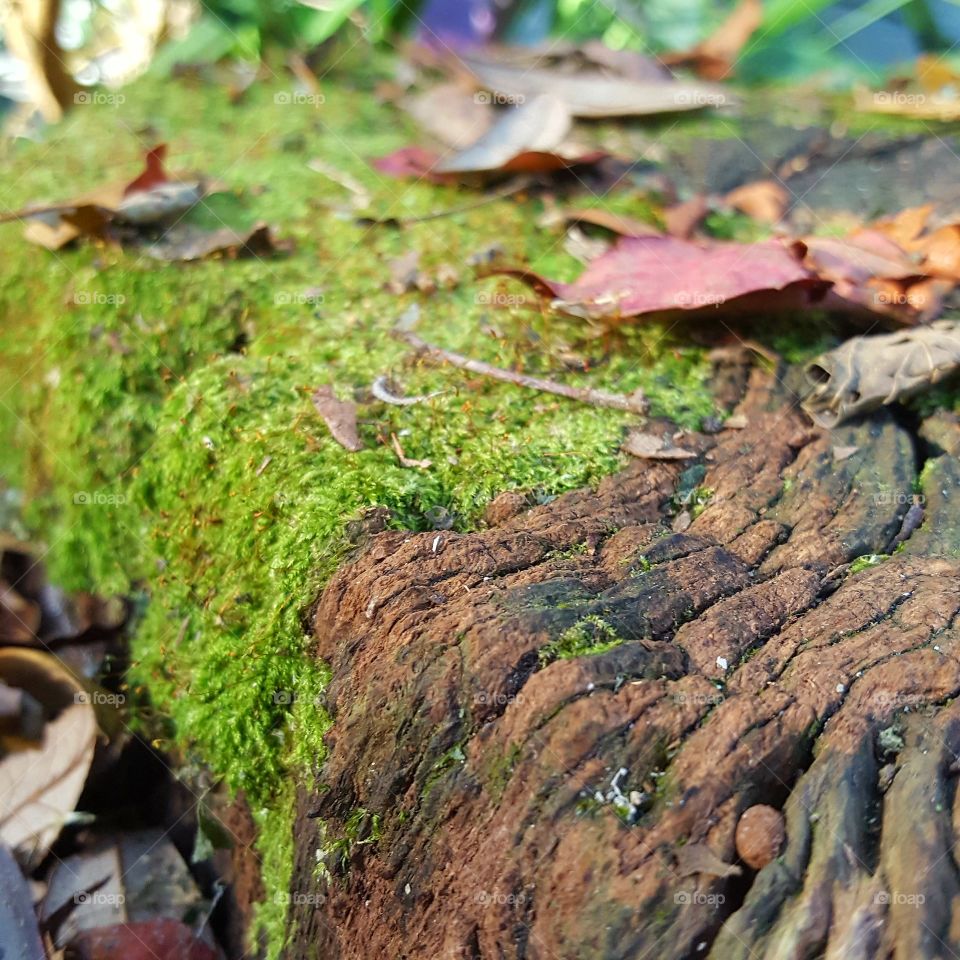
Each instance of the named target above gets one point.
<point>486,795</point>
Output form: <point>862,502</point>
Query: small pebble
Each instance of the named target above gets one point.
<point>760,835</point>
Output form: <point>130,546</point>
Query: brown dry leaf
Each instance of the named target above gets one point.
<point>764,200</point>
<point>148,199</point>
<point>649,446</point>
<point>868,372</point>
<point>699,858</point>
<point>683,218</point>
<point>19,617</point>
<point>715,57</point>
<point>186,242</point>
<point>452,114</point>
<point>340,416</point>
<point>593,93</point>
<point>614,222</point>
<point>40,786</point>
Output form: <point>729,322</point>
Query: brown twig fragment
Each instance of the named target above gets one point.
<point>635,402</point>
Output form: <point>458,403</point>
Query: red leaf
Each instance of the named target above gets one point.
<point>655,275</point>
<point>153,174</point>
<point>163,939</point>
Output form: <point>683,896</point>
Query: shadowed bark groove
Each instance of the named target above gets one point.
<point>537,727</point>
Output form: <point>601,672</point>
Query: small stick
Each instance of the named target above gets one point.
<point>635,402</point>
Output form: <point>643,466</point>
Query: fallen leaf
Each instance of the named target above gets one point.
<point>683,218</point>
<point>699,858</point>
<point>452,114</point>
<point>868,372</point>
<point>40,786</point>
<point>21,716</point>
<point>410,163</point>
<point>649,446</point>
<point>340,416</point>
<point>656,275</point>
<point>715,57</point>
<point>614,222</point>
<point>594,93</point>
<point>159,939</point>
<point>138,876</point>
<point>186,242</point>
<point>148,199</point>
<point>19,617</point>
<point>764,200</point>
<point>841,453</point>
<point>19,933</point>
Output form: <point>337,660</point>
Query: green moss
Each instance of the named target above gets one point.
<point>591,635</point>
<point>867,561</point>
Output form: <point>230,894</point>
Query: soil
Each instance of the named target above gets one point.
<point>545,733</point>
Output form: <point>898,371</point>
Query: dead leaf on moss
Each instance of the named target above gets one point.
<point>650,446</point>
<point>452,114</point>
<point>659,275</point>
<point>593,92</point>
<point>869,372</point>
<point>148,199</point>
<point>186,242</point>
<point>340,416</point>
<point>765,201</point>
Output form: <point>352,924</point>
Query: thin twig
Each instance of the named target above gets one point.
<point>635,402</point>
<point>515,186</point>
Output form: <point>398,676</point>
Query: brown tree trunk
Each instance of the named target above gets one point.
<point>485,797</point>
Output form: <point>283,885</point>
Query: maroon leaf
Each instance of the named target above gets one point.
<point>656,275</point>
<point>162,939</point>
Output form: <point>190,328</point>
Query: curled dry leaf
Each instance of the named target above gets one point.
<point>650,446</point>
<point>187,242</point>
<point>764,200</point>
<point>659,275</point>
<point>159,939</point>
<point>594,93</point>
<point>452,114</point>
<point>529,138</point>
<point>340,416</point>
<point>406,461</point>
<point>40,785</point>
<point>871,371</point>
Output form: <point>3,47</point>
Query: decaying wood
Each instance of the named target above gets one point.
<point>482,797</point>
